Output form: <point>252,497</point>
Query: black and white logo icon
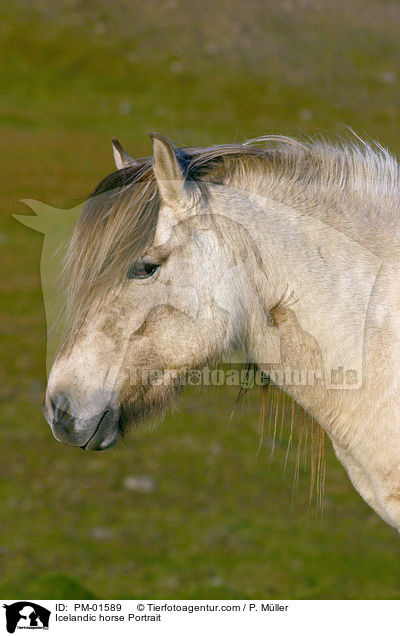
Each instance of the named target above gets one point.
<point>26,615</point>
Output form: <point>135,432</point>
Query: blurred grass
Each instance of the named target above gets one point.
<point>221,521</point>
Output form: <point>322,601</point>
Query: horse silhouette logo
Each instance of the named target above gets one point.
<point>26,615</point>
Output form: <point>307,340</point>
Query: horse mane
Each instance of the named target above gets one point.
<point>119,219</point>
<point>342,166</point>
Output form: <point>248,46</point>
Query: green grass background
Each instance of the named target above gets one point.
<point>221,522</point>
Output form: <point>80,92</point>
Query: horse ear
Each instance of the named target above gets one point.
<point>122,159</point>
<point>168,171</point>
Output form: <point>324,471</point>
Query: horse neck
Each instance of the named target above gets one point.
<point>309,302</point>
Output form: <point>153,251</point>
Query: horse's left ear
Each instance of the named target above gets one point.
<point>122,159</point>
<point>168,171</point>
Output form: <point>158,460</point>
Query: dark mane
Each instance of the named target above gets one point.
<point>121,178</point>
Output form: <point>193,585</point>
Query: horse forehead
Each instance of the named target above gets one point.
<point>194,232</point>
<point>180,223</point>
<point>168,222</point>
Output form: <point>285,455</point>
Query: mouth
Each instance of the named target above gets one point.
<point>105,435</point>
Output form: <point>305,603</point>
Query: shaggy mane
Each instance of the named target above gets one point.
<point>119,219</point>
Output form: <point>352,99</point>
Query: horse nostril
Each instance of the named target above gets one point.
<point>62,408</point>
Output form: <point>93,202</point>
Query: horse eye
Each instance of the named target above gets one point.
<point>141,269</point>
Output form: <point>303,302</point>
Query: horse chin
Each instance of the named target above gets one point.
<point>140,406</point>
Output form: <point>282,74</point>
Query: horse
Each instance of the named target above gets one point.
<point>283,249</point>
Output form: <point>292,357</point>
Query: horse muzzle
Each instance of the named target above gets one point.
<point>98,432</point>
